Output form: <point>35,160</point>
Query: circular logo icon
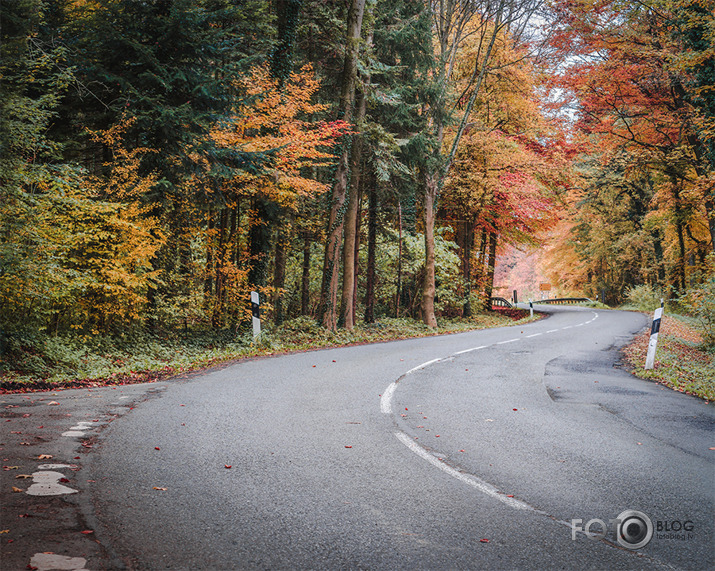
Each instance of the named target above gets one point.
<point>635,529</point>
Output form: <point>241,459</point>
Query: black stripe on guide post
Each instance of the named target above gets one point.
<point>255,310</point>
<point>655,327</point>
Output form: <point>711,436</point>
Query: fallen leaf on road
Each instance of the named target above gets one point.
<point>53,402</point>
<point>14,489</point>
<point>157,448</point>
<point>6,468</point>
<point>4,531</point>
<point>484,541</point>
<point>22,476</point>
<point>44,457</point>
<point>227,466</point>
<point>158,488</point>
<point>87,531</point>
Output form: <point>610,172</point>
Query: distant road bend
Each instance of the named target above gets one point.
<point>470,451</point>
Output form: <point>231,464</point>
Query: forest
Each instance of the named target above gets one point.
<point>350,160</point>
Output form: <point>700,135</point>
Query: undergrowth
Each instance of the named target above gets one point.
<point>42,362</point>
<point>683,361</point>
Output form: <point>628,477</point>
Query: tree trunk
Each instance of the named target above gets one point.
<point>490,268</point>
<point>350,232</point>
<point>428,285</point>
<point>260,241</point>
<point>467,267</point>
<point>279,275</point>
<point>371,244</point>
<point>329,289</point>
<point>305,279</point>
<point>710,212</point>
<point>398,288</point>
<point>208,274</point>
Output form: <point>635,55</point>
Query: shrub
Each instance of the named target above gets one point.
<point>644,297</point>
<point>700,302</point>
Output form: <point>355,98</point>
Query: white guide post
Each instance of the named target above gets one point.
<point>256,315</point>
<point>655,328</point>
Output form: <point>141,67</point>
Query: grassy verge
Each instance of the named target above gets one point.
<point>681,361</point>
<point>55,362</point>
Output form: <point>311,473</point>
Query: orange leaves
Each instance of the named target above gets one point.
<point>279,122</point>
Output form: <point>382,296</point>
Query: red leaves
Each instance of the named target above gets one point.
<point>227,466</point>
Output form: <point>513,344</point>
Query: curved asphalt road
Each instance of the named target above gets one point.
<point>335,465</point>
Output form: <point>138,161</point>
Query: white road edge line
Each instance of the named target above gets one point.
<point>503,342</point>
<point>534,335</point>
<point>422,366</point>
<point>472,349</point>
<point>468,479</point>
<point>386,398</point>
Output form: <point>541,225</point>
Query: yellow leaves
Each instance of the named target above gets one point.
<point>274,120</point>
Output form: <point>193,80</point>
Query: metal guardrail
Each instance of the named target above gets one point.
<point>565,300</point>
<point>500,302</point>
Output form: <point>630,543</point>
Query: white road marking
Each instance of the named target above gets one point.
<point>78,429</point>
<point>468,479</point>
<point>48,561</point>
<point>422,366</point>
<point>472,349</point>
<point>473,481</point>
<point>47,484</point>
<point>55,466</point>
<point>385,404</point>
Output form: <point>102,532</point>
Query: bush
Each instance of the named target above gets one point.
<point>644,297</point>
<point>700,302</point>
